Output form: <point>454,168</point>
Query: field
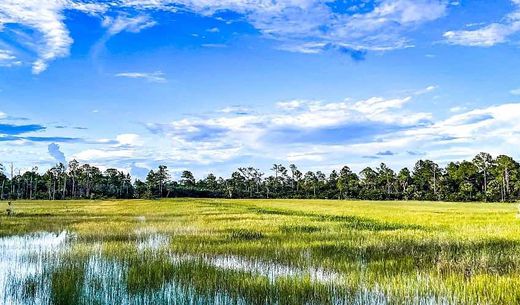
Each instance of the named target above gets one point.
<point>211,251</point>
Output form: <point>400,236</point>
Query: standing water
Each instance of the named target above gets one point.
<point>38,269</point>
<point>23,261</point>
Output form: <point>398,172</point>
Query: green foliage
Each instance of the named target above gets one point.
<point>482,179</point>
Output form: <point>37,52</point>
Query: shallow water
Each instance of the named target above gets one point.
<point>26,257</point>
<point>35,269</point>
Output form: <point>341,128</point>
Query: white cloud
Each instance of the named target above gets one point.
<point>515,91</point>
<point>426,90</point>
<point>278,136</point>
<point>100,154</point>
<point>7,59</point>
<point>314,134</point>
<point>46,17</point>
<point>488,35</point>
<point>457,109</point>
<point>224,136</point>
<point>235,109</point>
<point>290,105</point>
<point>308,26</point>
<point>156,77</point>
<point>311,26</point>
<point>213,45</point>
<point>493,129</point>
<point>127,24</point>
<point>129,139</point>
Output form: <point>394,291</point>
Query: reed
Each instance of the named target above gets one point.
<point>207,251</point>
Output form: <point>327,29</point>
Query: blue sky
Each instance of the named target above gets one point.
<point>215,85</point>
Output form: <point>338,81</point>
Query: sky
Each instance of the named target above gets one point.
<point>211,85</point>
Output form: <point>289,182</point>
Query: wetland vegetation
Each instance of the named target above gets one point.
<point>218,251</point>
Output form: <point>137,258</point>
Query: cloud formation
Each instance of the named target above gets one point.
<point>45,17</point>
<point>488,35</point>
<point>308,26</point>
<point>310,132</point>
<point>155,77</point>
<point>127,24</point>
<point>7,59</point>
<point>56,153</point>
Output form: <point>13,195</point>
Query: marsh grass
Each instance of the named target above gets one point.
<point>297,229</point>
<point>209,251</point>
<point>246,235</point>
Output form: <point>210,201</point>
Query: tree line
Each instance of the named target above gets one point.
<point>484,178</point>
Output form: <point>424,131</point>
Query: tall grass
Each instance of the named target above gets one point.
<point>197,251</point>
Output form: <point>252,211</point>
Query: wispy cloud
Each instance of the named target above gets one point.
<point>426,90</point>
<point>313,26</point>
<point>127,24</point>
<point>46,17</point>
<point>488,35</point>
<point>214,45</point>
<point>7,59</point>
<point>385,153</point>
<point>213,30</point>
<point>310,26</point>
<point>156,77</point>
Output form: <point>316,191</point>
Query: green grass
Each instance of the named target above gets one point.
<point>391,252</point>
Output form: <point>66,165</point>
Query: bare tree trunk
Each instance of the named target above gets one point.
<point>12,179</point>
<point>506,175</point>
<point>64,187</point>
<point>434,182</point>
<point>485,182</point>
<point>503,190</point>
<point>73,187</point>
<point>36,187</point>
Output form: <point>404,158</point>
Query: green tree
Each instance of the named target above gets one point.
<point>187,179</point>
<point>505,171</point>
<point>484,162</point>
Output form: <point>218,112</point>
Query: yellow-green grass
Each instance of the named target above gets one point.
<point>403,252</point>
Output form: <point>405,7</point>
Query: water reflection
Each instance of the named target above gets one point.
<point>38,269</point>
<point>23,262</point>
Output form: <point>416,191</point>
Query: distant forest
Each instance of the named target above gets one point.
<point>483,179</point>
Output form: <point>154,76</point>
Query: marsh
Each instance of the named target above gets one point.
<point>212,251</point>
